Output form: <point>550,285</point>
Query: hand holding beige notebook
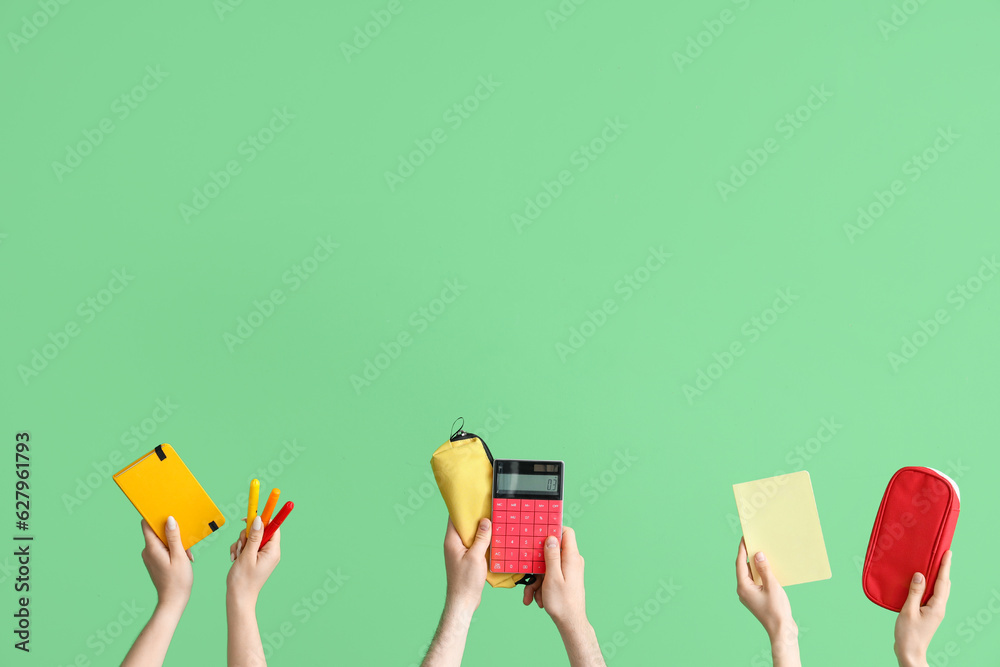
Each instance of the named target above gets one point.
<point>779,517</point>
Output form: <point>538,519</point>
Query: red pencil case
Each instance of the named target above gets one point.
<point>913,530</point>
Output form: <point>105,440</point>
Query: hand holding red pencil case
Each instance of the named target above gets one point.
<point>913,530</point>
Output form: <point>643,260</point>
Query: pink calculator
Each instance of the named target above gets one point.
<point>527,508</point>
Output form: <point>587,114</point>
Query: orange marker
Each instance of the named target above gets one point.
<point>272,500</point>
<point>252,504</point>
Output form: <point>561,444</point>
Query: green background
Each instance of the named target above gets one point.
<point>365,451</point>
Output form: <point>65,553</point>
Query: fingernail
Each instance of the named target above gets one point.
<point>918,578</point>
<point>484,524</point>
<point>551,542</point>
<point>239,548</point>
<point>232,557</point>
<point>256,523</point>
<point>171,523</point>
<point>759,557</point>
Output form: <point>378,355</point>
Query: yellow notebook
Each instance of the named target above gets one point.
<point>160,485</point>
<point>779,517</point>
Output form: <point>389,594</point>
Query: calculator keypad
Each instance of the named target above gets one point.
<point>519,531</point>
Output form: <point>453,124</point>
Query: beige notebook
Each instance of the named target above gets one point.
<point>779,517</point>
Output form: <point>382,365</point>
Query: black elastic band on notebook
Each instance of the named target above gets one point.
<point>214,526</point>
<point>159,452</point>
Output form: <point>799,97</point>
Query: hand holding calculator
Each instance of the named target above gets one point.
<point>527,508</point>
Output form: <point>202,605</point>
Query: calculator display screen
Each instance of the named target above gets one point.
<point>514,483</point>
<point>528,479</point>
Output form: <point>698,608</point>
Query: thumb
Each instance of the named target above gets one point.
<point>174,539</point>
<point>553,561</point>
<point>767,577</point>
<point>254,536</point>
<point>483,538</point>
<point>917,585</point>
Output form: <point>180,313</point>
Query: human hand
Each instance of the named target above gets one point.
<point>252,565</point>
<point>466,568</point>
<point>916,625</point>
<point>561,592</point>
<point>768,601</point>
<point>533,591</point>
<point>169,566</point>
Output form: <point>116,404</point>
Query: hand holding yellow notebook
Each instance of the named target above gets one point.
<point>160,485</point>
<point>779,517</point>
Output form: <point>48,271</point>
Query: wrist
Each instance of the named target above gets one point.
<point>785,631</point>
<point>572,624</point>
<point>460,604</point>
<point>458,607</point>
<point>910,658</point>
<point>240,599</point>
<point>170,607</point>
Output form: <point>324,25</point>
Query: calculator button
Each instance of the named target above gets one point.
<point>524,555</point>
<point>526,542</point>
<point>498,541</point>
<point>555,530</point>
<point>539,542</point>
<point>510,566</point>
<point>541,517</point>
<point>496,566</point>
<point>525,529</point>
<point>555,506</point>
<point>538,567</point>
<point>499,528</point>
<point>527,505</point>
<point>541,506</point>
<point>512,541</point>
<point>513,528</point>
<point>513,504</point>
<point>540,529</point>
<point>555,517</point>
<point>513,517</point>
<point>497,554</point>
<point>511,554</point>
<point>537,555</point>
<point>525,567</point>
<point>499,504</point>
<point>526,517</point>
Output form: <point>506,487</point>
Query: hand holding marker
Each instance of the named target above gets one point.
<point>254,559</point>
<point>265,516</point>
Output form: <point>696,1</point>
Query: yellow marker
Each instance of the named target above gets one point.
<point>252,505</point>
<point>272,500</point>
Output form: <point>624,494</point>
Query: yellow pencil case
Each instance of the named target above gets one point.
<point>463,468</point>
